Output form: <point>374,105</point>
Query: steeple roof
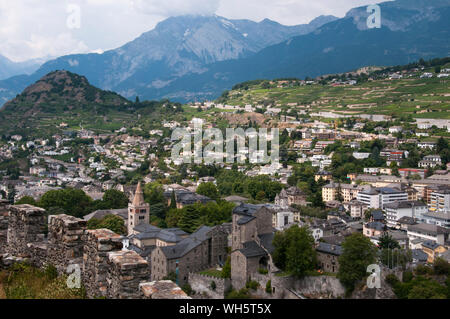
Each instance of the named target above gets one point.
<point>138,196</point>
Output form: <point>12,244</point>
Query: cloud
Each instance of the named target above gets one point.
<point>176,7</point>
<point>38,28</point>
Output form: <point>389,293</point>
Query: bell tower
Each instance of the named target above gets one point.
<point>138,211</point>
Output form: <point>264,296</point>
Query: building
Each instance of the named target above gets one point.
<point>437,218</point>
<point>432,249</point>
<point>430,161</point>
<point>379,197</point>
<point>328,257</point>
<point>252,236</point>
<point>374,229</point>
<point>347,192</point>
<point>428,232</point>
<point>324,175</point>
<point>291,196</point>
<point>396,210</point>
<point>440,200</point>
<point>185,198</point>
<point>408,172</point>
<point>205,248</point>
<point>356,208</point>
<point>138,211</point>
<point>282,217</point>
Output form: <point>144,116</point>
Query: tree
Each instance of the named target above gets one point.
<point>387,242</point>
<point>226,270</point>
<point>173,201</point>
<point>190,219</point>
<point>294,251</point>
<point>114,199</point>
<point>441,267</point>
<point>26,200</point>
<point>111,222</point>
<point>73,202</point>
<point>208,190</point>
<point>358,253</point>
<point>154,193</point>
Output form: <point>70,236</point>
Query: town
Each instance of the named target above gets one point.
<point>345,183</point>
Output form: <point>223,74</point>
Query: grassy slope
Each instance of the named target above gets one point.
<point>389,97</point>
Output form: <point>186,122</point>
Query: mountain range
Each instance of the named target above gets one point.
<point>9,68</point>
<point>198,57</point>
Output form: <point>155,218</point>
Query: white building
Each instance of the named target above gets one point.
<point>379,197</point>
<point>397,210</point>
<point>428,232</point>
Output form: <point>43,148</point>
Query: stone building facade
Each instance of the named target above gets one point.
<point>252,236</point>
<point>327,257</point>
<point>205,248</point>
<point>291,196</point>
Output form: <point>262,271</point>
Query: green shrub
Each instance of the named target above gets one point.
<point>187,289</point>
<point>252,285</point>
<point>392,279</point>
<point>269,287</point>
<point>423,270</point>
<point>241,294</point>
<point>51,272</point>
<point>213,285</point>
<point>441,267</point>
<point>408,276</point>
<point>263,271</point>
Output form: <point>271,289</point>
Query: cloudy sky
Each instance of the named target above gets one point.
<point>32,29</point>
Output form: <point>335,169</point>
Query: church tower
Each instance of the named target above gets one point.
<point>138,211</point>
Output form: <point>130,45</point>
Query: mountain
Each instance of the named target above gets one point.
<point>411,29</point>
<point>58,94</point>
<point>176,47</point>
<point>194,58</point>
<point>9,68</point>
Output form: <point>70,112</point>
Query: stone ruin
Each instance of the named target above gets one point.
<point>4,216</point>
<point>106,269</point>
<point>164,289</point>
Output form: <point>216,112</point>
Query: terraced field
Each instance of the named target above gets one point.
<point>421,98</point>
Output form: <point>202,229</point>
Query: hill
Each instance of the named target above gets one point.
<point>394,91</point>
<point>60,94</point>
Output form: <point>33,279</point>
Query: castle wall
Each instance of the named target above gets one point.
<point>4,218</point>
<point>125,272</point>
<point>98,243</point>
<point>26,225</point>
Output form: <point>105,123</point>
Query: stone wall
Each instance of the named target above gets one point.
<point>4,217</point>
<point>309,287</point>
<point>26,225</point>
<point>201,284</point>
<point>164,289</point>
<point>98,243</point>
<point>66,242</point>
<point>125,272</point>
<point>106,270</point>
